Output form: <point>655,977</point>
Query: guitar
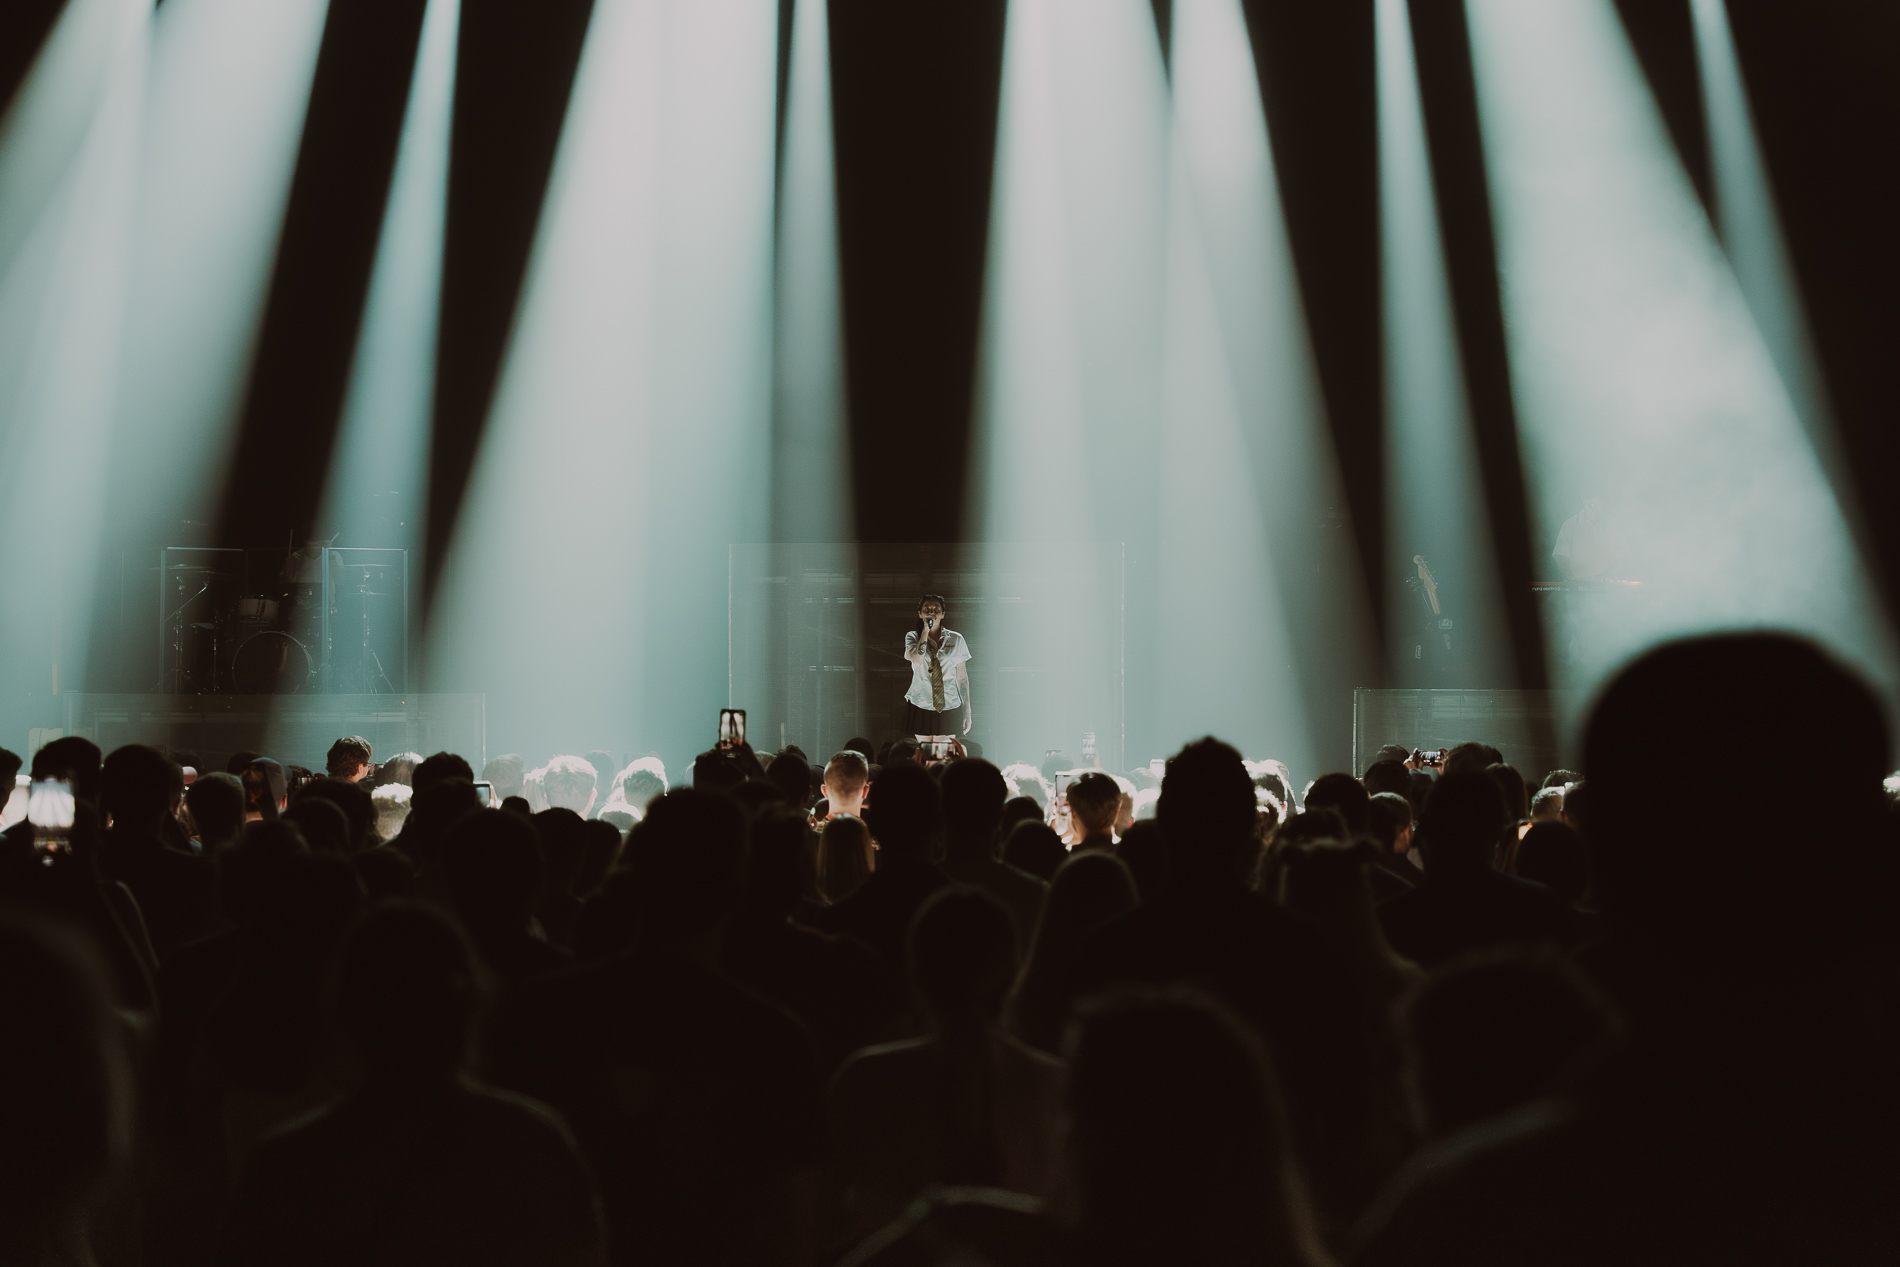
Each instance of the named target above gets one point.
<point>1430,584</point>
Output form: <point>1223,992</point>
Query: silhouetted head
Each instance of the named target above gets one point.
<point>1387,776</point>
<point>136,784</point>
<point>1146,855</point>
<point>440,768</point>
<point>600,849</point>
<point>846,773</point>
<point>1177,1138</point>
<point>1315,824</point>
<point>791,774</point>
<point>65,1088</point>
<point>962,957</point>
<point>1206,812</point>
<point>492,863</point>
<point>1517,799</point>
<point>844,857</point>
<point>253,865</point>
<point>1018,809</point>
<point>563,835</point>
<point>352,798</point>
<point>1463,820</point>
<point>432,811</point>
<point>1493,1030</point>
<point>1471,758</point>
<point>688,858</point>
<point>775,876</point>
<point>216,802</point>
<point>408,996</point>
<point>74,759</point>
<point>264,785</point>
<point>1661,859</point>
<point>1388,815</point>
<point>1088,891</point>
<point>1033,846</point>
<point>1346,796</point>
<point>973,796</point>
<point>906,812</point>
<point>1553,854</point>
<point>1093,799</point>
<point>349,758</point>
<point>322,823</point>
<point>507,774</point>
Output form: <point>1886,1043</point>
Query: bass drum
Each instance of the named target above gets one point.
<point>271,662</point>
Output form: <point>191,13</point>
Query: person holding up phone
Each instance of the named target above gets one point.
<point>937,705</point>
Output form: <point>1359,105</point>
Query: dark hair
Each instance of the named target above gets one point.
<point>438,768</point>
<point>601,842</point>
<point>906,812</point>
<point>844,862</point>
<point>322,823</point>
<point>1344,794</point>
<point>1088,891</point>
<point>973,794</point>
<point>216,802</point>
<point>1553,854</point>
<point>352,798</point>
<point>1091,796</point>
<point>408,994</point>
<point>1146,854</point>
<point>1491,1030</point>
<point>923,626</point>
<point>962,956</point>
<point>792,775</point>
<point>346,754</point>
<point>1386,815</point>
<point>1471,758</point>
<point>491,862</point>
<point>563,835</point>
<point>65,1088</point>
<point>1463,821</point>
<point>688,856</point>
<point>1663,860</point>
<point>1517,797</point>
<point>1033,846</point>
<point>1178,1138</point>
<point>136,782</point>
<point>1387,776</point>
<point>1018,809</point>
<point>1206,810</point>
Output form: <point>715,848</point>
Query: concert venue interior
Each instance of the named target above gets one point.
<point>1353,381</point>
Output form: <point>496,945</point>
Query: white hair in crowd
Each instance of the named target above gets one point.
<point>1027,781</point>
<point>570,782</point>
<point>391,802</point>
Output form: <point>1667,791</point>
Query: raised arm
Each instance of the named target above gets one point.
<point>914,648</point>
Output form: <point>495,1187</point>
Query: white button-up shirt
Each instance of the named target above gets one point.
<point>953,652</point>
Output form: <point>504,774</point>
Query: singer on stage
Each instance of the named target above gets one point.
<point>938,702</point>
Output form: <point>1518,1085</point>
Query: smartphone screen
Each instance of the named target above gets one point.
<point>731,727</point>
<point>49,807</point>
<point>485,793</point>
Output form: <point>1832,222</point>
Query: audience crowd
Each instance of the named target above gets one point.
<point>899,1010</point>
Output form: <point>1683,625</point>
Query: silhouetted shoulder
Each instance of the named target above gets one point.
<point>468,1175</point>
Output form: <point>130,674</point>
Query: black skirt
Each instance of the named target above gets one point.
<point>924,721</point>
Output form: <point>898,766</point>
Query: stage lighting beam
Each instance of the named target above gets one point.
<point>1641,376</point>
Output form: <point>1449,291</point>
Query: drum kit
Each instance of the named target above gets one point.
<point>300,633</point>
